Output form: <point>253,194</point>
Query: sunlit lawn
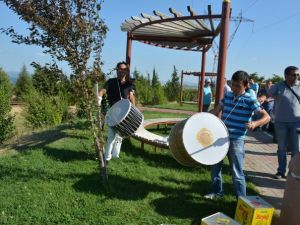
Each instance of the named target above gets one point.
<point>53,178</point>
<point>176,105</point>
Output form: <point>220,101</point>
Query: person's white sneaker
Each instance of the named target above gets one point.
<point>213,196</point>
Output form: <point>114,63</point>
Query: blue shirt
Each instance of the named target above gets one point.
<point>236,112</point>
<point>206,95</point>
<point>254,87</point>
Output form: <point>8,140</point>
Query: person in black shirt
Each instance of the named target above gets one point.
<point>116,89</point>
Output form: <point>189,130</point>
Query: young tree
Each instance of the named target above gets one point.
<point>50,80</point>
<point>155,81</point>
<point>276,78</point>
<point>143,89</point>
<point>23,84</point>
<point>172,88</point>
<point>71,31</point>
<point>6,119</point>
<point>157,90</point>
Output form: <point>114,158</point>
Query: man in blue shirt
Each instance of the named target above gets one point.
<point>236,107</point>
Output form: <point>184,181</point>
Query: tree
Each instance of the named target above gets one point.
<point>158,95</point>
<point>256,77</point>
<point>71,31</point>
<point>155,80</point>
<point>23,84</point>
<point>6,119</point>
<point>276,78</point>
<point>172,88</point>
<point>143,89</point>
<point>50,80</point>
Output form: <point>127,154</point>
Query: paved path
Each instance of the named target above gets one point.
<point>260,163</point>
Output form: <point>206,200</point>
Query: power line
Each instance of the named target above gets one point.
<point>251,5</point>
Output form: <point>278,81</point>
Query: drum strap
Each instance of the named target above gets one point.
<point>231,111</point>
<point>237,102</point>
<point>119,89</point>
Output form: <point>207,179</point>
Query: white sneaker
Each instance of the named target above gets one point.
<point>213,196</point>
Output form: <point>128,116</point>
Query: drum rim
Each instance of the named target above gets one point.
<point>110,109</point>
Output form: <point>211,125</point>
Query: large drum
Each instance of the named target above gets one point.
<point>124,117</point>
<point>202,138</point>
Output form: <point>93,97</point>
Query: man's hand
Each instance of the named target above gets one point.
<point>251,125</point>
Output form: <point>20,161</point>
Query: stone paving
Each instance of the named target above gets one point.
<point>260,166</point>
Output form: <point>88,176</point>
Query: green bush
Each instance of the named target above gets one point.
<point>43,110</point>
<point>6,119</point>
<point>190,95</point>
<point>158,95</point>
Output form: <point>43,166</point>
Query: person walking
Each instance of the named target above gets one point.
<point>287,116</point>
<point>207,94</point>
<point>116,89</point>
<point>253,85</point>
<point>236,107</point>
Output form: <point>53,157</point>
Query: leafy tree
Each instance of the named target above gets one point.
<point>256,77</point>
<point>23,84</point>
<point>155,81</point>
<point>143,93</point>
<point>158,95</point>
<point>172,88</point>
<point>50,80</point>
<point>71,31</point>
<point>276,78</point>
<point>148,79</point>
<point>6,119</point>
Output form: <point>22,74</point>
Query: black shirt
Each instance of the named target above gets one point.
<point>114,90</point>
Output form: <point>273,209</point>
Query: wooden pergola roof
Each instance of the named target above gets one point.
<point>193,32</point>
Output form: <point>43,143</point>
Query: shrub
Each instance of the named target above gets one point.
<point>6,119</point>
<point>43,110</point>
<point>23,84</point>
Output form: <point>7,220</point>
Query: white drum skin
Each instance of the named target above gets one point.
<point>124,117</point>
<point>189,151</point>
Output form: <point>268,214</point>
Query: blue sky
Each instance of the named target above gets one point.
<point>266,46</point>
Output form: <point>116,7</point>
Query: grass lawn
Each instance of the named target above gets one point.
<point>52,178</point>
<point>176,105</point>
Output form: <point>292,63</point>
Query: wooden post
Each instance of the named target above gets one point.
<point>181,88</point>
<point>128,53</point>
<point>222,51</point>
<point>201,80</point>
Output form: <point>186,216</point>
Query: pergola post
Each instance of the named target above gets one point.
<point>128,52</point>
<point>181,88</point>
<point>201,80</point>
<point>222,51</point>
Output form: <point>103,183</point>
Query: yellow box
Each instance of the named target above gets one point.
<point>218,219</point>
<point>253,210</point>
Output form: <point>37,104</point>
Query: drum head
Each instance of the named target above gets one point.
<point>118,112</point>
<point>205,138</point>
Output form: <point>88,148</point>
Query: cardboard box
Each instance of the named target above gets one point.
<point>218,219</point>
<point>253,210</point>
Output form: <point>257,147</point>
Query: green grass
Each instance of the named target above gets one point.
<point>50,178</point>
<point>175,105</point>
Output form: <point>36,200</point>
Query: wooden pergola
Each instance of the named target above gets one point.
<point>191,33</point>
